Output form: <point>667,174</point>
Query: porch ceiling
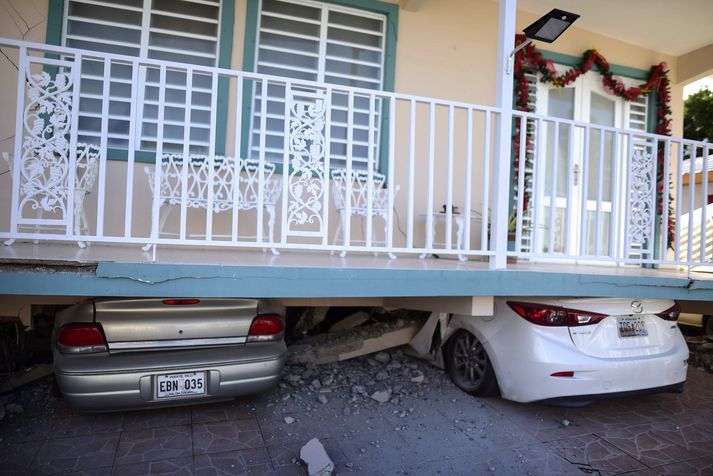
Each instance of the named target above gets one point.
<point>672,27</point>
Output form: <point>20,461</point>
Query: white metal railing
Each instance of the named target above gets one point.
<point>423,190</point>
<point>596,193</point>
<point>698,248</point>
<point>418,170</point>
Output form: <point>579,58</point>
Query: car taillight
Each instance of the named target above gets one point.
<point>554,316</point>
<point>81,339</point>
<point>266,327</point>
<point>670,314</point>
<point>180,302</point>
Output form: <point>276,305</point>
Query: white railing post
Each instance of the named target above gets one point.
<point>503,136</point>
<point>15,212</point>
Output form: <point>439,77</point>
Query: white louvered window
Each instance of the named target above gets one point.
<point>184,31</point>
<point>322,42</point>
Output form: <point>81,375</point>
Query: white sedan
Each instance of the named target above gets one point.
<point>568,351</point>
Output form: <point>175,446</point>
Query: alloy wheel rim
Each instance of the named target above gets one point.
<point>470,359</point>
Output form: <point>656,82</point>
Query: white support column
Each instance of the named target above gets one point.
<point>503,135</point>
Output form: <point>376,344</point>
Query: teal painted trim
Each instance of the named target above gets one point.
<point>140,156</point>
<point>652,112</point>
<point>163,280</point>
<point>55,17</point>
<point>53,34</point>
<point>617,70</point>
<point>382,164</point>
<point>225,53</point>
<point>252,14</point>
<point>651,116</point>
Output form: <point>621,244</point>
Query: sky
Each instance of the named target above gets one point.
<point>696,86</point>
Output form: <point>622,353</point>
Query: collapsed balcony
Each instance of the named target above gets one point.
<point>117,149</point>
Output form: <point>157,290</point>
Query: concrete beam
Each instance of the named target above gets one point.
<point>464,305</point>
<point>694,65</point>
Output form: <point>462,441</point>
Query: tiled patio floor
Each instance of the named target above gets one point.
<point>428,428</point>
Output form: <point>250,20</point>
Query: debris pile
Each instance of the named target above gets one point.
<point>387,377</point>
<point>701,352</point>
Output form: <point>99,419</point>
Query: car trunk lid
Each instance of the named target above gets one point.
<point>159,324</point>
<point>632,328</point>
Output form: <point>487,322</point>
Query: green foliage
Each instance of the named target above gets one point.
<point>698,116</point>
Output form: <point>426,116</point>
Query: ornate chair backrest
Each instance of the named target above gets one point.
<point>224,193</point>
<point>360,191</point>
<point>250,184</point>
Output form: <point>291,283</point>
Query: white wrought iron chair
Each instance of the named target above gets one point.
<point>360,200</point>
<point>225,197</point>
<point>87,166</point>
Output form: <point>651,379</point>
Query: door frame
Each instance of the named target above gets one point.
<point>583,86</point>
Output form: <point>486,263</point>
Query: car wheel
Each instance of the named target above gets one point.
<point>469,366</point>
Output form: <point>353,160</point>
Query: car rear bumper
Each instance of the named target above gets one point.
<point>132,389</point>
<point>580,400</point>
<point>533,381</point>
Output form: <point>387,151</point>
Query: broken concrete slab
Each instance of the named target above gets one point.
<point>343,345</point>
<point>316,458</point>
<point>350,322</point>
<point>310,318</point>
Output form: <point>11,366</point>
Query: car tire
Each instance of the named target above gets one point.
<point>469,366</point>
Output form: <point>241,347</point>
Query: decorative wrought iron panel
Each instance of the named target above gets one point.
<point>308,177</point>
<point>44,153</point>
<point>641,196</point>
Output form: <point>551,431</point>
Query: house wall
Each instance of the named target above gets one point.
<point>445,49</point>
<point>20,20</point>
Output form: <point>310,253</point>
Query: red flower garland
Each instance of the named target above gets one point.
<point>657,83</point>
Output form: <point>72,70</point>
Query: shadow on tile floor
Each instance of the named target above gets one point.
<point>425,428</point>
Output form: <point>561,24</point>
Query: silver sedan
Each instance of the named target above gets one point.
<point>115,354</point>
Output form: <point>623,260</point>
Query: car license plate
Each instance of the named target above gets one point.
<point>633,326</point>
<point>180,385</point>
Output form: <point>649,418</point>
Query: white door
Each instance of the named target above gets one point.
<point>583,223</point>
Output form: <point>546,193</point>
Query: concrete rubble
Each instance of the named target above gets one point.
<point>355,385</point>
<point>345,344</point>
<point>316,458</point>
<point>701,349</point>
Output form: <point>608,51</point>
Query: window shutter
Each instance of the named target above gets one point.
<point>183,31</point>
<point>319,42</point>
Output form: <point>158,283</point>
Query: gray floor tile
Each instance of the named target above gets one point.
<point>154,444</point>
<point>75,453</point>
<point>252,461</point>
<point>592,453</point>
<point>157,418</point>
<point>226,436</point>
<point>176,466</point>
